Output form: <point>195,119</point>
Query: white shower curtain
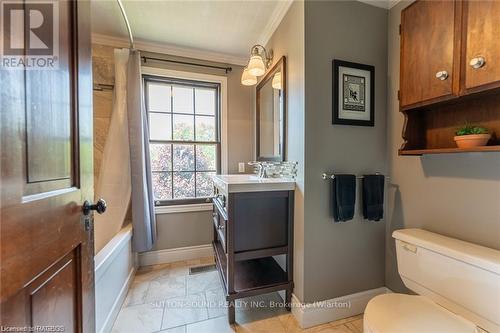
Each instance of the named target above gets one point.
<point>114,183</point>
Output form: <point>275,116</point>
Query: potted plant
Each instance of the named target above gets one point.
<point>470,136</point>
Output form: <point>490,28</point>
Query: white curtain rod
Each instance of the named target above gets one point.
<point>125,18</point>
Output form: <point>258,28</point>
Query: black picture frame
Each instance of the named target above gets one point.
<point>336,118</point>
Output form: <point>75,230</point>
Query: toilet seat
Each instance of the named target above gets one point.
<point>400,313</point>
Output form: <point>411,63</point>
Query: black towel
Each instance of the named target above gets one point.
<point>344,197</point>
<point>373,197</point>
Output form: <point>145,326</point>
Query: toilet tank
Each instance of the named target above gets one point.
<point>460,276</point>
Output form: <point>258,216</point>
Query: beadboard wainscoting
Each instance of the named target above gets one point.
<point>115,266</point>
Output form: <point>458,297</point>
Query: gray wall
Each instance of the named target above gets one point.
<point>341,258</point>
<point>457,195</point>
<point>183,229</point>
<point>288,41</point>
<point>194,228</point>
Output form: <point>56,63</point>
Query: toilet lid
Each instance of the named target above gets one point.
<point>399,313</point>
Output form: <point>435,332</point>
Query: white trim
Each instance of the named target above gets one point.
<point>308,315</point>
<point>386,4</point>
<point>114,266</point>
<point>170,49</point>
<point>222,80</point>
<point>115,309</point>
<point>173,255</point>
<point>106,256</point>
<point>393,3</point>
<point>183,208</point>
<point>274,21</point>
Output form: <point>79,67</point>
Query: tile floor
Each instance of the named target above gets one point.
<point>165,298</point>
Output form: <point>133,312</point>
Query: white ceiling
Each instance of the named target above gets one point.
<point>224,27</point>
<point>220,30</point>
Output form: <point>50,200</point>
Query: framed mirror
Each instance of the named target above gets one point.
<point>271,113</point>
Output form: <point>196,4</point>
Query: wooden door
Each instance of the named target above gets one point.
<point>428,38</point>
<point>47,265</point>
<point>482,42</point>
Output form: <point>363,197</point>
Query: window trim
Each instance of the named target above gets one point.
<point>185,208</point>
<point>189,76</point>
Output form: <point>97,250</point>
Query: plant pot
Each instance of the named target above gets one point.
<point>472,140</point>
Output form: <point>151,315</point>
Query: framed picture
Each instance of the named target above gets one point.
<point>353,94</point>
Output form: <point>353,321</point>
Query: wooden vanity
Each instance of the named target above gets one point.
<point>253,221</point>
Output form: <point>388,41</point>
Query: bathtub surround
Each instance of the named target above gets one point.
<point>456,195</point>
<point>114,273</point>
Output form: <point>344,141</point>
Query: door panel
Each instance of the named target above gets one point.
<point>482,33</point>
<point>47,263</point>
<point>54,296</point>
<point>427,47</point>
<point>49,118</point>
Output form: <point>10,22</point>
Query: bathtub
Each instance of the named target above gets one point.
<point>115,266</point>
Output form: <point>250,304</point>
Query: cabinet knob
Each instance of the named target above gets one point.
<point>477,62</point>
<point>442,75</point>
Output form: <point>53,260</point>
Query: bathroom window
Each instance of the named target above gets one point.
<point>184,138</point>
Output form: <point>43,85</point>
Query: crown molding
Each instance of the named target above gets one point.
<point>274,21</point>
<point>170,49</point>
<point>386,4</point>
<point>393,3</point>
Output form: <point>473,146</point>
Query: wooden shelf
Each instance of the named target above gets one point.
<point>252,277</point>
<point>431,130</point>
<point>418,152</point>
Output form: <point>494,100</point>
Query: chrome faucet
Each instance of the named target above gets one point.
<point>261,169</point>
<point>262,173</point>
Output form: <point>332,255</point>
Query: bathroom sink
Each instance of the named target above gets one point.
<point>252,183</point>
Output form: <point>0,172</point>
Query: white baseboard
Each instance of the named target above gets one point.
<point>173,255</point>
<point>317,313</point>
<point>115,309</point>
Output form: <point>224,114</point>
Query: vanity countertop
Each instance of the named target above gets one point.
<point>252,183</point>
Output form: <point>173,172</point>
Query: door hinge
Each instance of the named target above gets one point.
<point>399,95</point>
<point>400,29</point>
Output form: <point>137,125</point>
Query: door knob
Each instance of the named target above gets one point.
<point>99,207</point>
<point>477,62</point>
<point>442,75</point>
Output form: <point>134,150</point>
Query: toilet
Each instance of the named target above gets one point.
<point>457,285</point>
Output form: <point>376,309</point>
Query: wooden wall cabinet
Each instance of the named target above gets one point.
<point>481,36</point>
<point>450,73</point>
<point>428,44</point>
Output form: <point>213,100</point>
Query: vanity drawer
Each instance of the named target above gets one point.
<point>220,224</point>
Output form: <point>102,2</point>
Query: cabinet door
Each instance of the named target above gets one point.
<point>427,52</point>
<point>482,35</point>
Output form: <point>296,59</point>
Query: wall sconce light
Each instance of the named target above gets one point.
<point>260,60</point>
<point>248,79</point>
